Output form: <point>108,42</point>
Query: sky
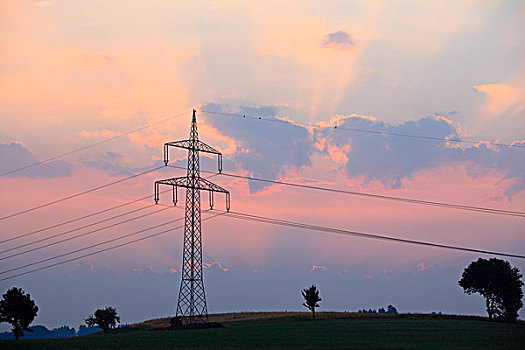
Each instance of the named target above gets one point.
<point>75,73</point>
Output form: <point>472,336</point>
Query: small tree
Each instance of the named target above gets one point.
<point>17,308</point>
<point>104,318</point>
<point>311,297</point>
<point>391,309</point>
<point>499,283</point>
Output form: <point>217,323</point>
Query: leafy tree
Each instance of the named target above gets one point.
<point>499,283</point>
<point>104,319</point>
<point>17,308</point>
<point>311,297</point>
<point>391,309</point>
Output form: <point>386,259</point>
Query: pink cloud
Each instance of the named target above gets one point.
<point>500,96</point>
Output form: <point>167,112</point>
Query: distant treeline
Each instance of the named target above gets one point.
<point>389,310</point>
<point>41,332</point>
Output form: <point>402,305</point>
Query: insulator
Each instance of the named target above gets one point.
<point>156,190</point>
<point>166,160</point>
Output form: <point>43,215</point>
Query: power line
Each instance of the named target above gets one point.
<point>273,221</point>
<point>91,145</point>
<point>81,227</point>
<point>90,246</point>
<point>77,236</point>
<point>102,250</point>
<point>484,210</point>
<point>71,230</point>
<point>76,219</point>
<point>251,217</point>
<point>83,217</point>
<point>384,133</point>
<point>79,194</point>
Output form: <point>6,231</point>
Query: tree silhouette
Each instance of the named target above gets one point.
<point>499,283</point>
<point>391,309</point>
<point>19,310</point>
<point>104,319</point>
<point>311,297</point>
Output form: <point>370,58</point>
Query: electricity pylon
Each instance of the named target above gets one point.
<point>191,305</point>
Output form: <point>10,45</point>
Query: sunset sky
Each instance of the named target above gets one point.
<point>74,73</point>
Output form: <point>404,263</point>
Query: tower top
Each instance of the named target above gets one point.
<point>194,134</point>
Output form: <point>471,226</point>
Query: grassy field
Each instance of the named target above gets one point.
<point>296,331</point>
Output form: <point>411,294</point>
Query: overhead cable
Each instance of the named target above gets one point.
<point>79,235</point>
<point>79,194</point>
<point>91,145</point>
<point>279,222</point>
<point>76,219</point>
<point>485,210</point>
<point>102,250</point>
<point>384,133</point>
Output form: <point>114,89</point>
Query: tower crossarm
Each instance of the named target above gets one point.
<point>189,144</point>
<point>210,186</point>
<point>198,184</point>
<point>194,145</point>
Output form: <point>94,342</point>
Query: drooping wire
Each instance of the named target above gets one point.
<point>90,246</point>
<point>479,209</point>
<point>79,194</point>
<point>78,228</point>
<point>79,235</point>
<point>279,222</point>
<point>91,145</point>
<point>76,219</point>
<point>103,250</point>
<point>384,133</point>
<point>261,219</point>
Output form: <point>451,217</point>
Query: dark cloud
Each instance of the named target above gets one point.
<point>270,149</point>
<point>117,164</point>
<point>15,155</point>
<point>339,40</point>
<point>265,149</point>
<point>509,160</point>
<point>112,162</point>
<point>390,159</point>
<point>393,159</point>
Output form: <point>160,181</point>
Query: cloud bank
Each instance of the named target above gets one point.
<point>264,149</point>
<point>15,155</point>
<point>272,149</point>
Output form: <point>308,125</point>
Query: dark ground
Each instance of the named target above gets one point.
<point>295,330</point>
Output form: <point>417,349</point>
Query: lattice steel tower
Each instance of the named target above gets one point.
<point>191,305</point>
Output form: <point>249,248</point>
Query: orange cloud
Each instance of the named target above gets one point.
<point>227,145</point>
<point>102,134</point>
<point>151,138</point>
<point>206,266</point>
<point>44,3</point>
<point>500,97</point>
<point>117,113</point>
<point>315,267</point>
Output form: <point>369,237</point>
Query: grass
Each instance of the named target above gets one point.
<point>296,331</point>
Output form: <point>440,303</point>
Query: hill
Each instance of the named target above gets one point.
<point>291,330</point>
